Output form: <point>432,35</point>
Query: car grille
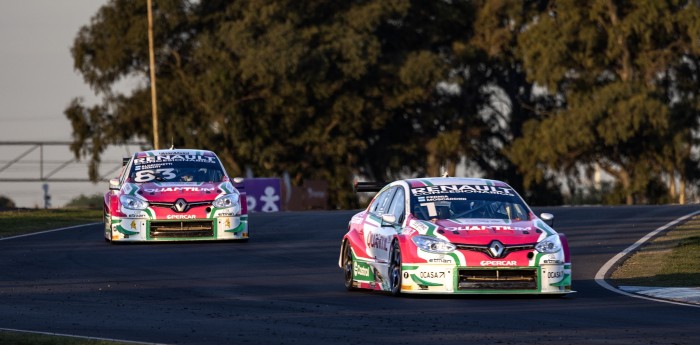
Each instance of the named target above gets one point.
<point>181,229</point>
<point>497,279</point>
<point>485,249</point>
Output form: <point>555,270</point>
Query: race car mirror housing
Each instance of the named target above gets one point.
<point>114,184</point>
<point>388,219</point>
<point>548,218</point>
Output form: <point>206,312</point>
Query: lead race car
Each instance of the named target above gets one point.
<point>453,235</point>
<point>174,195</point>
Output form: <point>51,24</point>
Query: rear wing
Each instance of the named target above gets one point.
<point>368,187</point>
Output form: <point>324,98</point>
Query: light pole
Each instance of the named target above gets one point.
<point>154,107</point>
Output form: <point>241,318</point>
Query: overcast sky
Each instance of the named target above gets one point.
<point>37,82</point>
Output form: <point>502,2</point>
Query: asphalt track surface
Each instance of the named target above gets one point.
<point>284,287</point>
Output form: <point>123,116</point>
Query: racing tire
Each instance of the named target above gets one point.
<point>395,270</point>
<point>348,267</point>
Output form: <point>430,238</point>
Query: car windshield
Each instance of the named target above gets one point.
<point>176,168</point>
<point>467,201</point>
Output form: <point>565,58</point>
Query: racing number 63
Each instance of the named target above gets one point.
<point>149,175</point>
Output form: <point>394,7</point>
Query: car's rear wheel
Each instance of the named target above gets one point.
<point>348,267</point>
<point>395,270</point>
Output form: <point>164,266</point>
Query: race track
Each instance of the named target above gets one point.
<point>284,287</point>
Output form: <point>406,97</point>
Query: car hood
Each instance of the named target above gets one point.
<point>170,191</point>
<point>483,231</point>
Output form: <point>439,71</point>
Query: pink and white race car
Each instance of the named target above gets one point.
<point>453,235</point>
<point>173,195</point>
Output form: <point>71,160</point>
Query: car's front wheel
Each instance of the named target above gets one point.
<point>395,270</point>
<point>348,268</point>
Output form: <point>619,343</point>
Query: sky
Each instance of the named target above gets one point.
<point>37,82</point>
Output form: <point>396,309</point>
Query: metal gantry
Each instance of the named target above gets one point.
<point>39,145</point>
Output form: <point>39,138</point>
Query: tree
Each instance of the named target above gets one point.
<point>6,202</point>
<point>497,89</point>
<point>614,69</point>
<point>322,90</point>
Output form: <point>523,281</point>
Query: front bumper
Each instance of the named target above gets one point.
<point>441,279</point>
<point>142,229</point>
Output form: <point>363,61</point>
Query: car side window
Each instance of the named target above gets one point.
<point>398,205</point>
<point>381,203</point>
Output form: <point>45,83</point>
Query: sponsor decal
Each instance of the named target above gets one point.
<point>378,241</point>
<point>419,226</point>
<point>440,261</point>
<point>362,271</point>
<point>498,263</point>
<point>552,262</point>
<point>178,189</point>
<point>181,216</point>
<point>552,259</point>
<point>133,224</point>
<point>446,189</point>
<point>482,227</point>
<point>175,157</point>
<point>431,275</point>
<point>555,274</point>
<point>227,223</point>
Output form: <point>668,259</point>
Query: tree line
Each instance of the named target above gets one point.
<point>540,94</point>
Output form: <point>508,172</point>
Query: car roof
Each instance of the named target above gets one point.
<point>188,152</point>
<point>441,181</point>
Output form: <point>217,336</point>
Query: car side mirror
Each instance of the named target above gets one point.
<point>114,184</point>
<point>547,218</point>
<point>237,180</point>
<point>388,219</point>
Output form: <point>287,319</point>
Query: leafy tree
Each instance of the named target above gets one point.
<point>6,202</point>
<point>622,104</point>
<point>323,89</point>
<point>496,87</point>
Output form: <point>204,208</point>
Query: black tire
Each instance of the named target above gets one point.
<point>395,269</point>
<point>348,268</point>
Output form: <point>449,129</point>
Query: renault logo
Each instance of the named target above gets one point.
<point>181,206</point>
<point>496,249</point>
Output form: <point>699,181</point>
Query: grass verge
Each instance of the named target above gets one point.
<point>670,260</point>
<point>21,338</point>
<point>23,221</point>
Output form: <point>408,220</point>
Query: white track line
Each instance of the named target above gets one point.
<point>47,231</point>
<point>75,336</point>
<point>600,276</point>
<point>62,334</point>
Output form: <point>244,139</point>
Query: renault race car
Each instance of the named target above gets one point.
<point>453,235</point>
<point>172,195</point>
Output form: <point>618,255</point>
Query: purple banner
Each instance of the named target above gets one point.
<point>263,194</point>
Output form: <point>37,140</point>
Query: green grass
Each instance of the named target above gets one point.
<point>670,260</point>
<point>22,221</point>
<point>19,338</point>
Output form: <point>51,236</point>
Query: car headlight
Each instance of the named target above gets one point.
<point>433,245</point>
<point>551,244</point>
<point>133,203</point>
<point>226,201</point>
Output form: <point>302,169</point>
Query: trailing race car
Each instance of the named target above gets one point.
<point>453,235</point>
<point>171,195</point>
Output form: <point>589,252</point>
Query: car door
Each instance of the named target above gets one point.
<point>377,233</point>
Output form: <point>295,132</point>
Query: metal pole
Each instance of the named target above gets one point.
<point>151,57</point>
